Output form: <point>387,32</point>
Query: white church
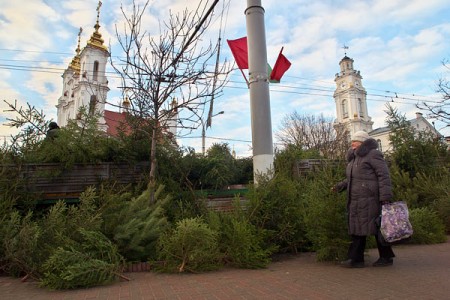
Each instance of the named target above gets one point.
<point>84,81</point>
<point>351,107</point>
<point>85,85</point>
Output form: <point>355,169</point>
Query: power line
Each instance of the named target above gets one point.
<point>214,138</point>
<point>331,92</point>
<point>293,87</point>
<point>30,61</point>
<point>33,51</point>
<point>31,69</point>
<point>121,62</point>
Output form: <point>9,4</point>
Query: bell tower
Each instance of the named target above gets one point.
<point>350,99</point>
<point>85,82</point>
<point>66,109</point>
<point>93,82</point>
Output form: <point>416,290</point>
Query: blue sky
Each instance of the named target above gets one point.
<point>398,45</point>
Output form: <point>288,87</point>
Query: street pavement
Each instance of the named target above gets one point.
<point>419,272</point>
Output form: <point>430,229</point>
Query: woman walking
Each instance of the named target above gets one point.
<point>368,186</point>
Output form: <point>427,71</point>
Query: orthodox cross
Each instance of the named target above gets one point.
<point>98,9</point>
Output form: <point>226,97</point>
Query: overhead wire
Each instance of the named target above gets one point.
<point>216,74</point>
<point>289,88</point>
<point>216,138</point>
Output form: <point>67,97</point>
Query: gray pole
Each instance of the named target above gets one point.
<point>259,90</point>
<point>203,138</point>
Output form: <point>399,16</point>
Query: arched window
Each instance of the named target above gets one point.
<point>344,108</point>
<point>360,108</point>
<point>379,145</point>
<point>95,77</point>
<point>92,104</point>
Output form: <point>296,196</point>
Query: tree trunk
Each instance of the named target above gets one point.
<point>152,183</point>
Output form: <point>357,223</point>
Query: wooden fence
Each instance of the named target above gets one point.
<point>51,183</point>
<point>303,167</point>
<point>222,200</point>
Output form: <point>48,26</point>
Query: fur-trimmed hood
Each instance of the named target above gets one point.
<point>367,146</point>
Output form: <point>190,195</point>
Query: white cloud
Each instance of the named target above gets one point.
<point>48,85</point>
<point>404,10</point>
<point>24,25</point>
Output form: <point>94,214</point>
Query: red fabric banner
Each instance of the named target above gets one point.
<point>240,52</point>
<point>281,66</point>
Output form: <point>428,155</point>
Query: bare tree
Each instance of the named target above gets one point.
<point>311,132</point>
<point>170,75</point>
<point>440,110</point>
<point>341,142</point>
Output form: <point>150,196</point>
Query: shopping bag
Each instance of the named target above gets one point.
<point>395,225</point>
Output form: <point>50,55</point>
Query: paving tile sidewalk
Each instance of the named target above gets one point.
<point>419,272</point>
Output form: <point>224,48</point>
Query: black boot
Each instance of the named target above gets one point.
<point>349,263</point>
<point>383,262</point>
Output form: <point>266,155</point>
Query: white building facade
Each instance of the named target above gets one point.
<point>351,107</point>
<point>84,81</point>
<point>350,99</point>
<point>85,85</point>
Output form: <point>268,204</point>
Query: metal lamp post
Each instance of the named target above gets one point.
<point>204,131</point>
<point>259,90</point>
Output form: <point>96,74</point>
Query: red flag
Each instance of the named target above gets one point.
<point>281,66</point>
<point>239,49</point>
<point>269,71</point>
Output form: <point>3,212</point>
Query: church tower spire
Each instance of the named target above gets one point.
<point>85,81</point>
<point>75,65</point>
<point>71,77</point>
<point>350,98</point>
<point>96,39</point>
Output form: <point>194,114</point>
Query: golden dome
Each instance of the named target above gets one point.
<point>96,39</point>
<point>75,64</point>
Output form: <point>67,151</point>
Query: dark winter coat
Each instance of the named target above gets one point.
<point>367,184</point>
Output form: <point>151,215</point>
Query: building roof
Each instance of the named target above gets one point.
<point>379,130</point>
<point>346,58</point>
<point>412,122</point>
<point>115,120</point>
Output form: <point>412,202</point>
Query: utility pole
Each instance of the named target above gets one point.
<point>204,130</point>
<point>259,90</point>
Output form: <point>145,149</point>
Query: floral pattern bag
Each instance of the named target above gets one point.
<point>395,225</point>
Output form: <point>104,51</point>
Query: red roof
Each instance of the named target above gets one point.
<point>114,120</point>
